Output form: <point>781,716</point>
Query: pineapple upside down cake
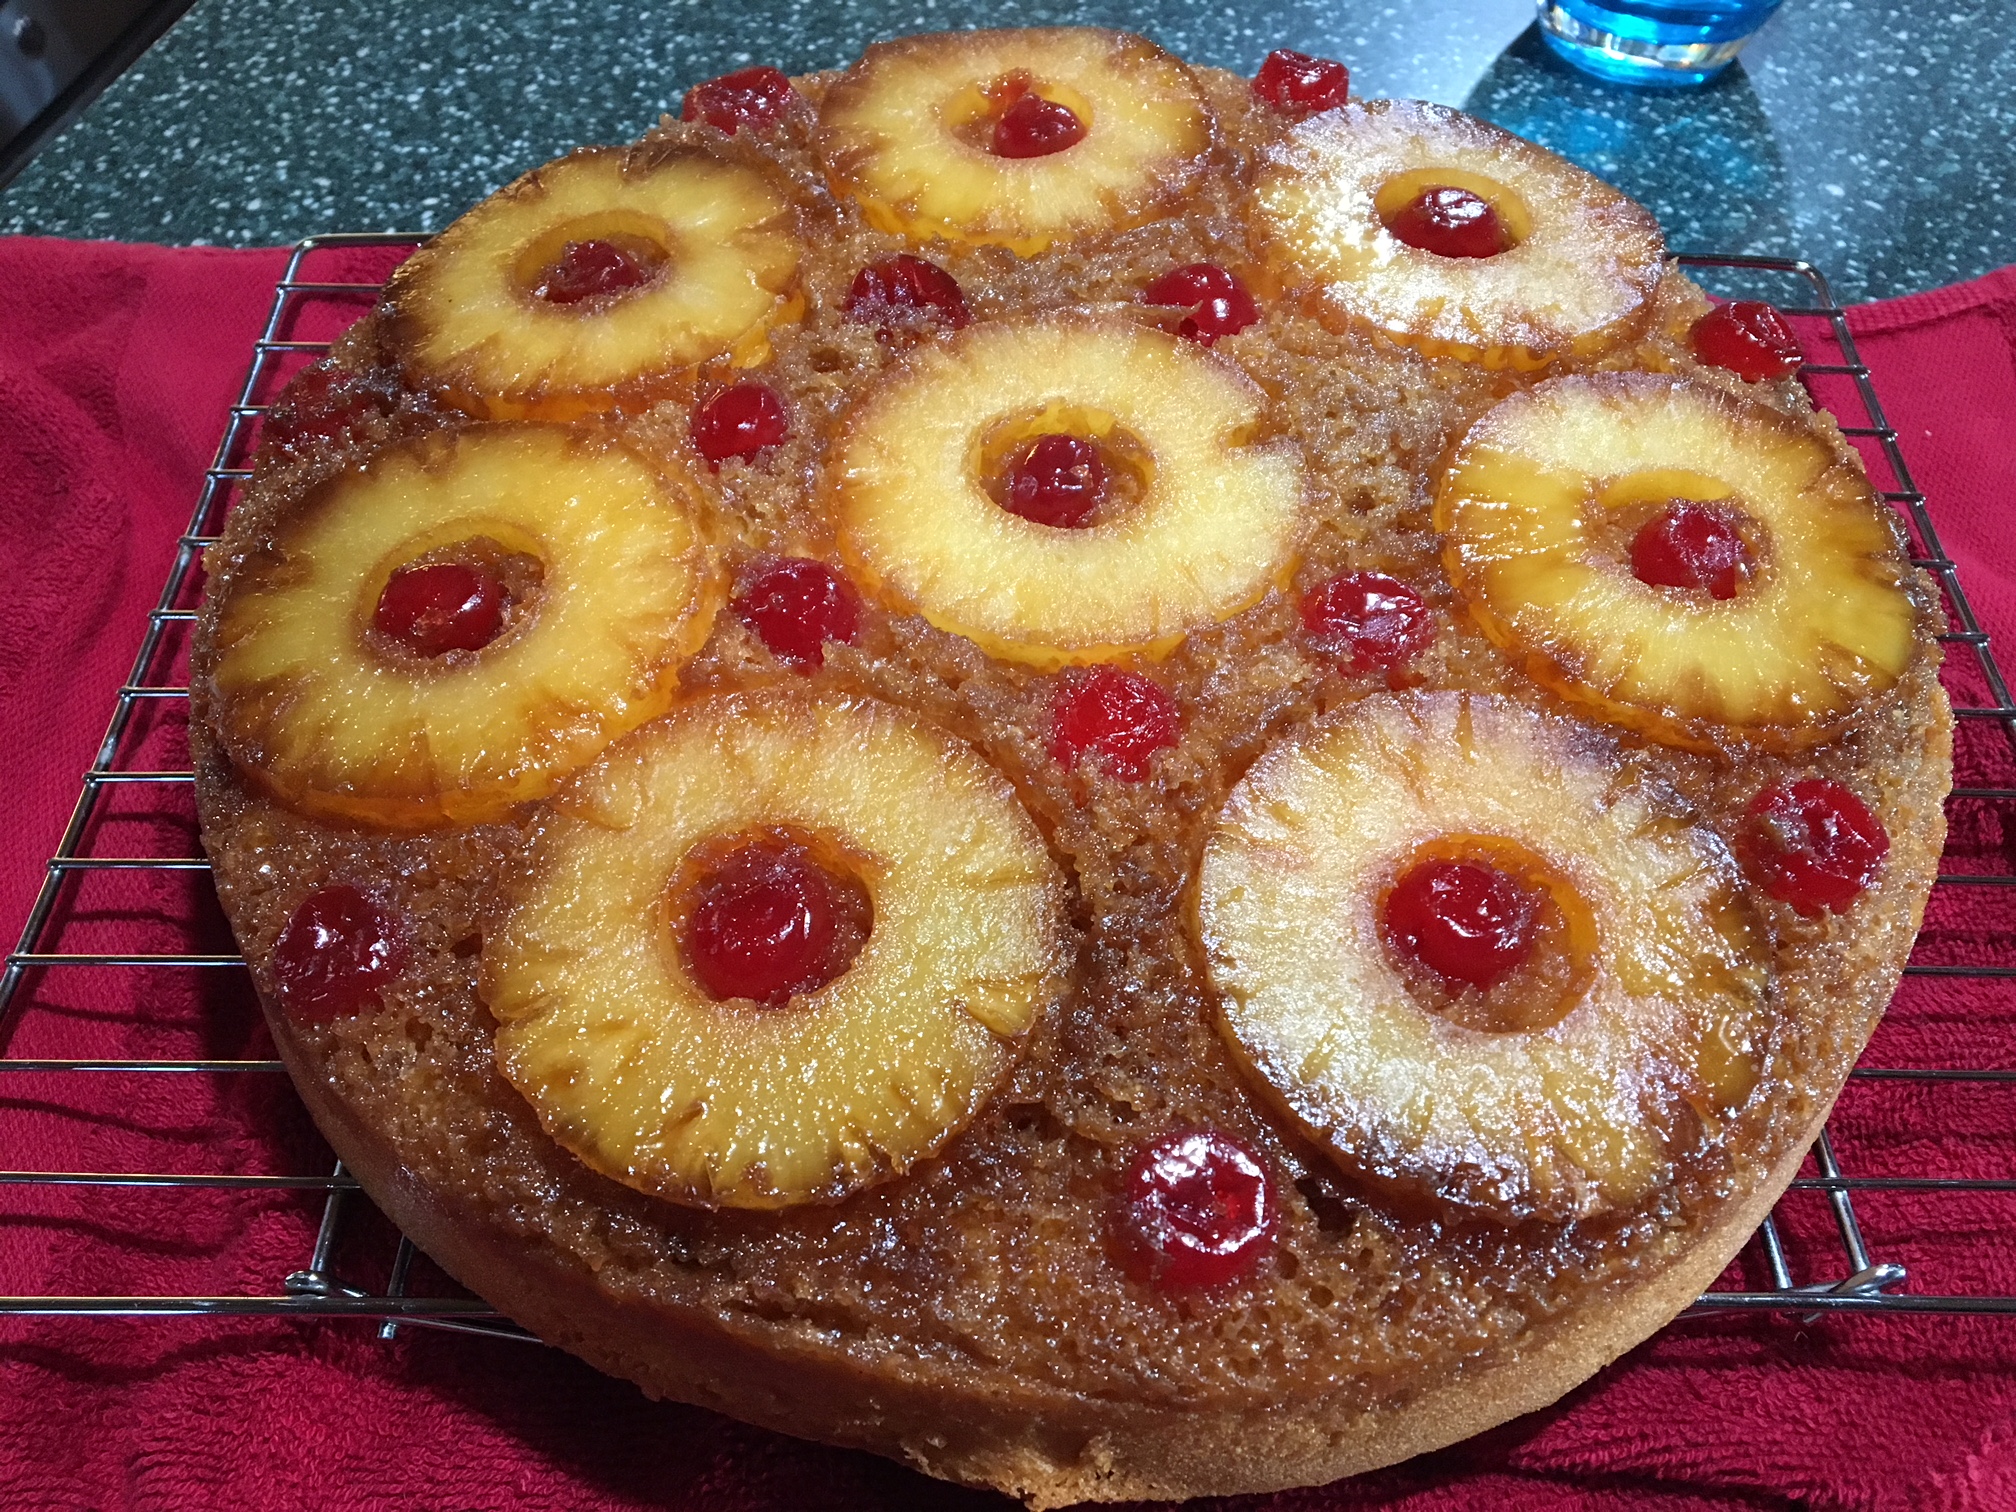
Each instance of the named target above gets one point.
<point>1128,782</point>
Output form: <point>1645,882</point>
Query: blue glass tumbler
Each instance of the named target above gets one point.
<point>1663,43</point>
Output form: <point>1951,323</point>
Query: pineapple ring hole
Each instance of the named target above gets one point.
<point>1625,504</point>
<point>969,116</point>
<point>507,552</point>
<point>645,239</point>
<point>1130,465</point>
<point>846,898</point>
<point>1400,191</point>
<point>1544,988</point>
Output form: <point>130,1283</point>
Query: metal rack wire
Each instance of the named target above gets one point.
<point>1843,1274</point>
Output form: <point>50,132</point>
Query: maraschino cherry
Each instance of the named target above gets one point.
<point>337,953</point>
<point>1032,126</point>
<point>1196,1209</point>
<point>1120,717</point>
<point>324,403</point>
<point>1058,479</point>
<point>591,269</point>
<point>1689,545</point>
<point>1812,843</point>
<point>441,607</point>
<point>1450,222</point>
<point>1219,303</point>
<point>795,605</point>
<point>1297,84</point>
<point>769,923</point>
<point>739,421</point>
<point>905,292</point>
<point>1751,339</point>
<point>1468,923</point>
<point>1367,620</point>
<point>753,97</point>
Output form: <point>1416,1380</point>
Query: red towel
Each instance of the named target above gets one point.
<point>116,367</point>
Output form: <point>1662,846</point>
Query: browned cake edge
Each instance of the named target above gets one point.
<point>1053,1449</point>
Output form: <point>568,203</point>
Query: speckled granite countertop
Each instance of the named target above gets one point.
<point>1872,138</point>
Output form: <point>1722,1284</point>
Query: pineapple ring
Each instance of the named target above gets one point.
<point>1215,527</point>
<point>630,1063</point>
<point>1578,278</point>
<point>464,319</point>
<point>1826,622</point>
<point>894,136</point>
<point>313,712</point>
<point>1556,1122</point>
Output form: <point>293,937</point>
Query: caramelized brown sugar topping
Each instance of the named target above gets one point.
<point>993,1256</point>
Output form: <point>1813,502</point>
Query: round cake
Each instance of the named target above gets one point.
<point>1126,782</point>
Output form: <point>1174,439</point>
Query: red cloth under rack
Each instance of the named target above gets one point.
<point>116,367</point>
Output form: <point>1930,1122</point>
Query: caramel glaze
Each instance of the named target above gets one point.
<point>992,1263</point>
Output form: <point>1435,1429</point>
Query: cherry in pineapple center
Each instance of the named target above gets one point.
<point>1068,467</point>
<point>1452,213</point>
<point>1487,934</point>
<point>593,264</point>
<point>1692,546</point>
<point>1028,120</point>
<point>1679,529</point>
<point>460,598</point>
<point>769,916</point>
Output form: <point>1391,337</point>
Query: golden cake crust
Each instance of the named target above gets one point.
<point>967,1317</point>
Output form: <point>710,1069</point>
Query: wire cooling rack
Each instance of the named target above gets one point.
<point>1832,1245</point>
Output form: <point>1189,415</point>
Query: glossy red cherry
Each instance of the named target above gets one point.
<point>1057,479</point>
<point>1196,1209</point>
<point>1813,844</point>
<point>795,606</point>
<point>1300,85</point>
<point>324,403</point>
<point>1464,921</point>
<point>1751,339</point>
<point>1367,620</point>
<point>1035,127</point>
<point>1450,222</point>
<point>767,924</point>
<point>1690,546</point>
<point>591,270</point>
<point>337,953</point>
<point>1120,717</point>
<point>739,422</point>
<point>753,97</point>
<point>906,292</point>
<point>444,607</point>
<point>1218,302</point>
